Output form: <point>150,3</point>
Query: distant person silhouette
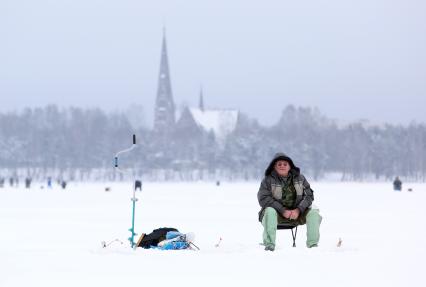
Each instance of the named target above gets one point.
<point>28,182</point>
<point>397,184</point>
<point>138,185</point>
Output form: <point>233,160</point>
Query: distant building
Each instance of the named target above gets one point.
<point>221,122</point>
<point>164,114</point>
<point>193,122</point>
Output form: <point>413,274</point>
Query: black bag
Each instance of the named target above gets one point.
<point>154,237</point>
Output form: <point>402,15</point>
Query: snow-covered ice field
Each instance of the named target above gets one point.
<point>52,237</point>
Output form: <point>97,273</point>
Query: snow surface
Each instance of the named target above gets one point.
<point>52,237</point>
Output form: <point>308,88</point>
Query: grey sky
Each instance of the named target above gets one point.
<point>351,59</point>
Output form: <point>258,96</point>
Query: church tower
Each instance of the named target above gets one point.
<point>164,114</point>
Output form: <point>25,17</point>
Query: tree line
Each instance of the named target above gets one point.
<point>80,144</point>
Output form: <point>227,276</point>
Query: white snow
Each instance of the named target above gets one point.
<point>52,237</point>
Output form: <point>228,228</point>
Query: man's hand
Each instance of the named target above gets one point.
<point>287,213</point>
<point>294,214</point>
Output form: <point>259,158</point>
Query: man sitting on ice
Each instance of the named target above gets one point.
<point>285,196</point>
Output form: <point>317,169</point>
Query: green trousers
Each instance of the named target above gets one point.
<point>270,222</point>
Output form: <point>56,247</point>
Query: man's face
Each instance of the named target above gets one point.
<point>282,167</point>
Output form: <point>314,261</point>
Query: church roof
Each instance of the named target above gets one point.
<point>221,122</point>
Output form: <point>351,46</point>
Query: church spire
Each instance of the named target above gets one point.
<point>164,117</point>
<point>201,102</point>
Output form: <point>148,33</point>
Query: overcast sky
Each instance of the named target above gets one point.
<point>360,59</point>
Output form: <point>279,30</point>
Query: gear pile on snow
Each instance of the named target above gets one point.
<point>166,238</point>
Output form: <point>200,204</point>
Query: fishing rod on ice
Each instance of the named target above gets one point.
<point>133,199</point>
